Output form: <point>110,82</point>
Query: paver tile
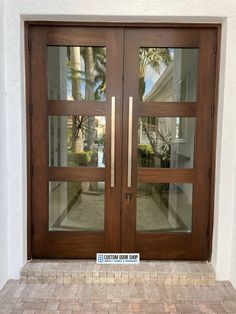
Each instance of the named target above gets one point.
<point>120,297</point>
<point>187,308</point>
<point>152,307</point>
<point>52,306</point>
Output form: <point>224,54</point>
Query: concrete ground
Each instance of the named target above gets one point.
<point>28,298</point>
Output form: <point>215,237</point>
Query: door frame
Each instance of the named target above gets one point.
<point>216,48</point>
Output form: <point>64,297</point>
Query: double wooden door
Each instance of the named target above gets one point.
<point>121,140</point>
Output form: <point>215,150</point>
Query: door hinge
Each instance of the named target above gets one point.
<point>29,44</point>
<point>30,108</point>
<point>215,47</point>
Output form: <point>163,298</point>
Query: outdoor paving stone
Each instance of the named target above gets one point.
<point>170,308</point>
<point>187,308</point>
<point>117,289</point>
<point>69,306</point>
<point>52,306</point>
<point>135,292</point>
<point>104,306</point>
<point>136,307</point>
<point>230,306</point>
<point>34,305</point>
<point>152,307</point>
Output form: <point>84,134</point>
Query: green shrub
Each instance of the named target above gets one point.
<point>83,159</point>
<point>145,150</point>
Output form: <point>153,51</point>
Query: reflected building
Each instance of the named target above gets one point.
<point>167,142</point>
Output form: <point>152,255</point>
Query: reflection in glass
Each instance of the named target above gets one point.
<point>76,206</point>
<point>166,142</point>
<point>164,207</point>
<point>76,141</point>
<point>76,73</point>
<point>168,74</point>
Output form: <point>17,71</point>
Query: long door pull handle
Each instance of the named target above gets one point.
<point>113,138</point>
<point>130,128</point>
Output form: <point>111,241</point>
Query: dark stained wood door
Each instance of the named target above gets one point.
<point>121,137</point>
<point>75,72</point>
<point>169,84</point>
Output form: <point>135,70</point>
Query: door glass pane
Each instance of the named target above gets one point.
<point>77,141</point>
<point>168,74</point>
<point>164,207</point>
<point>166,142</point>
<point>76,206</point>
<point>77,73</point>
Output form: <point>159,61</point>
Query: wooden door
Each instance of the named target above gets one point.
<point>121,138</point>
<point>168,101</point>
<point>76,92</point>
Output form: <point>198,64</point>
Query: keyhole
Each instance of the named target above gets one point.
<point>128,197</point>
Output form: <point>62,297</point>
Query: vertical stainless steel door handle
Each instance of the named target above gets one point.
<point>130,128</point>
<point>113,135</point>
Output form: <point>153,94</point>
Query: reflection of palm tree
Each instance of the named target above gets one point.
<point>89,91</point>
<point>82,127</point>
<point>94,62</point>
<point>99,55</point>
<point>153,57</point>
<point>93,76</point>
<point>75,69</point>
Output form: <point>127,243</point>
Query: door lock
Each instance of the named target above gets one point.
<point>128,196</point>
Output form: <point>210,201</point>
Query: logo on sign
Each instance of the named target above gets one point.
<point>118,258</point>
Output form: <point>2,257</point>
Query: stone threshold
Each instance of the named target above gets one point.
<point>163,273</point>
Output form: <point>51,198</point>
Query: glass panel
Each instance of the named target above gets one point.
<point>164,207</point>
<point>76,141</point>
<point>76,206</point>
<point>76,73</point>
<point>168,74</point>
<point>166,142</point>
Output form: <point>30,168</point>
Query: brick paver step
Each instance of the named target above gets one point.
<point>147,272</point>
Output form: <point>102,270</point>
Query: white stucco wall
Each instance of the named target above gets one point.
<point>3,158</point>
<point>232,274</point>
<point>224,223</point>
<point>230,118</point>
<point>12,121</point>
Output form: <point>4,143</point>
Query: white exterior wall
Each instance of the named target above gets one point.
<point>3,159</point>
<point>12,121</point>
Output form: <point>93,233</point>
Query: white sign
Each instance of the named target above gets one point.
<point>118,258</point>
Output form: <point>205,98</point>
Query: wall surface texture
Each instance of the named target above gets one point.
<point>13,125</point>
<point>3,158</point>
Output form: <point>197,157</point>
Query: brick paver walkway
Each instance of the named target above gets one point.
<point>29,298</point>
